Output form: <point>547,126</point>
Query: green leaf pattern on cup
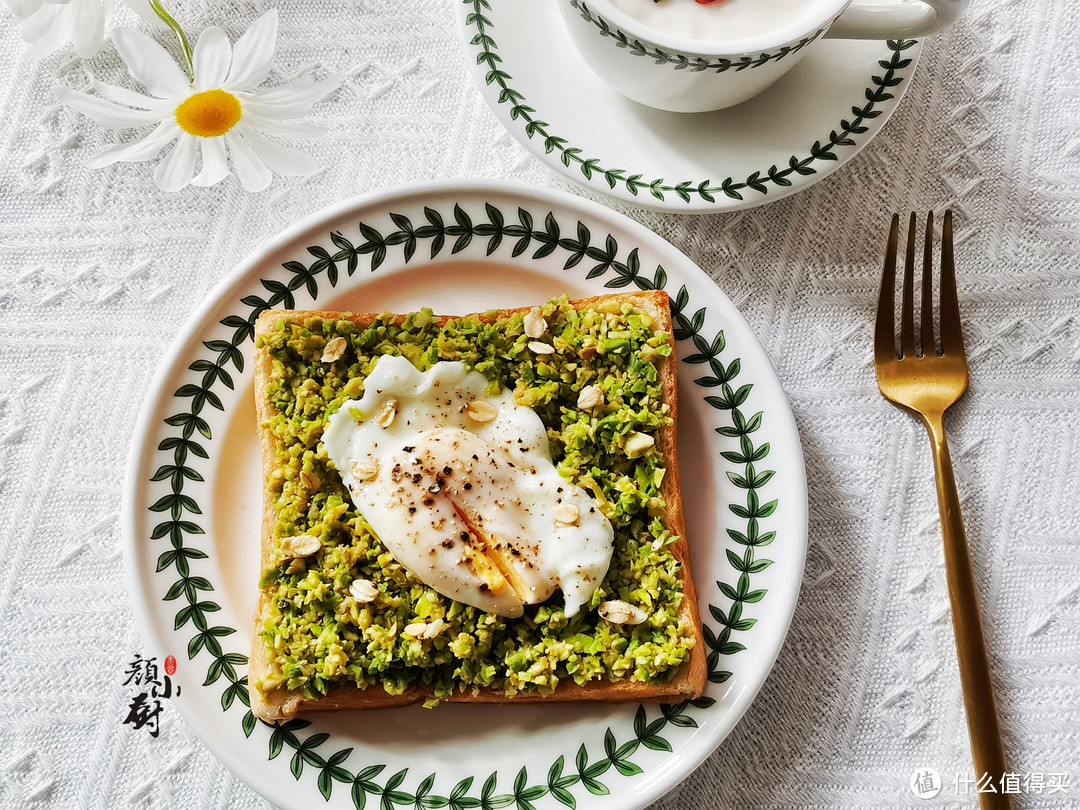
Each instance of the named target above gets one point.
<point>682,61</point>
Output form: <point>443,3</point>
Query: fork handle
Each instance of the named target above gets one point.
<point>987,749</point>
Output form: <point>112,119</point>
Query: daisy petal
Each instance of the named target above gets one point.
<point>212,59</point>
<point>142,8</point>
<point>281,159</point>
<point>136,151</point>
<point>105,113</point>
<point>215,164</point>
<point>284,129</point>
<point>253,53</point>
<point>24,8</point>
<point>175,171</point>
<point>47,29</point>
<point>253,174</point>
<point>121,95</point>
<point>150,64</point>
<point>88,24</point>
<point>37,24</point>
<point>291,100</point>
<point>306,86</point>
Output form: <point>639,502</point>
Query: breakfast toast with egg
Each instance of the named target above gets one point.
<point>280,690</point>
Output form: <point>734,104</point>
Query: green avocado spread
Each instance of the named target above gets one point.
<point>318,635</point>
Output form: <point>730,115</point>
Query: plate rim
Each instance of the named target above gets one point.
<point>241,273</point>
<point>689,196</point>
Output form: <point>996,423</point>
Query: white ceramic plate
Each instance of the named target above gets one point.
<point>800,130</point>
<point>192,506</point>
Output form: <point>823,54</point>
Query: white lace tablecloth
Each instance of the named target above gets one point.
<point>98,270</point>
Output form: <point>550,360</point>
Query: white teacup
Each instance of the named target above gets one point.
<point>684,74</point>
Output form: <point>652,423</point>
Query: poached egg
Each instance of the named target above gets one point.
<point>461,490</point>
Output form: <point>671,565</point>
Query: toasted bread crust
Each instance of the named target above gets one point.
<point>687,681</point>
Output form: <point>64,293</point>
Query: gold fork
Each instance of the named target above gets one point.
<point>925,383</point>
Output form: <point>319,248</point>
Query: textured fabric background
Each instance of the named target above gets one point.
<point>98,270</point>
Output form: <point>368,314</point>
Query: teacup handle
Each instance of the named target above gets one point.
<point>862,20</point>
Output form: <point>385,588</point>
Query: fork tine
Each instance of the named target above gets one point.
<point>884,328</point>
<point>907,308</point>
<point>927,337</point>
<point>952,339</point>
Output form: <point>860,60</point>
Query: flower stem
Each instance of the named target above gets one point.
<point>174,26</point>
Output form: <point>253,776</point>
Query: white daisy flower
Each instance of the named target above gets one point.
<point>218,115</point>
<point>51,24</point>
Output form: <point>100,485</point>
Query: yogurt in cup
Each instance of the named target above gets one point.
<point>711,22</point>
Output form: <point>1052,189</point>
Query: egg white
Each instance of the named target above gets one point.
<point>474,509</point>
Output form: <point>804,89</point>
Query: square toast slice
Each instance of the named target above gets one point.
<point>686,680</point>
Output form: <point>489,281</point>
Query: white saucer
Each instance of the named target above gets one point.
<point>803,128</point>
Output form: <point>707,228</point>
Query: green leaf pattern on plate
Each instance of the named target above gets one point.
<point>597,257</point>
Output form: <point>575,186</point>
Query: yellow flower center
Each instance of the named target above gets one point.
<point>208,114</point>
